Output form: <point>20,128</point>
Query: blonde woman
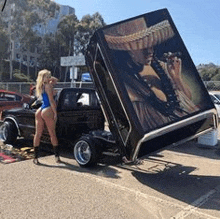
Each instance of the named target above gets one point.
<point>46,114</point>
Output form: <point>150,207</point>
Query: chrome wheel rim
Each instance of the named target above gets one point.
<point>82,152</point>
<point>3,132</point>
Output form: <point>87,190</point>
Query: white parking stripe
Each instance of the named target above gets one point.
<point>182,214</point>
<point>123,188</point>
<point>194,205</point>
<point>190,209</point>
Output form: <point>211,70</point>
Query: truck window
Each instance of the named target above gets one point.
<point>69,101</point>
<point>75,100</point>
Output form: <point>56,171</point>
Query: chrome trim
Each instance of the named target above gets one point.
<point>177,125</point>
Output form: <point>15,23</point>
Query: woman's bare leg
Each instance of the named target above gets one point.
<point>47,115</point>
<point>39,127</point>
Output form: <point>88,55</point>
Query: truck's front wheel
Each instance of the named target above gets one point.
<point>86,152</point>
<point>8,132</point>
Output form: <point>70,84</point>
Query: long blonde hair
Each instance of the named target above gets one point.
<point>41,80</point>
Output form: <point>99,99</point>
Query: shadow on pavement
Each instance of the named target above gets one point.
<point>99,170</point>
<point>194,148</point>
<point>172,179</point>
<point>178,181</point>
<point>103,168</point>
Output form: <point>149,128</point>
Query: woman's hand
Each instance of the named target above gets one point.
<point>174,66</point>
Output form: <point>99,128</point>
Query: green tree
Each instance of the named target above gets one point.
<point>205,75</point>
<point>216,77</point>
<point>50,55</point>
<point>4,46</point>
<point>86,27</point>
<point>66,32</point>
<point>210,72</point>
<point>25,17</point>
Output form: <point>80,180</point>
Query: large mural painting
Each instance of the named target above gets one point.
<point>154,67</point>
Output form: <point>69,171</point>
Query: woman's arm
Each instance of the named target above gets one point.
<point>174,67</point>
<point>49,91</point>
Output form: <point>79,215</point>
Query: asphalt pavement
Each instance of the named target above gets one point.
<point>180,181</point>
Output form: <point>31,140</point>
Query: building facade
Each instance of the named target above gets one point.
<point>42,29</point>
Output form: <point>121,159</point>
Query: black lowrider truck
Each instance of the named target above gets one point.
<point>150,92</point>
<point>78,114</point>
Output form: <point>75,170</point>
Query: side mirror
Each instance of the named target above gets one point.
<point>26,106</point>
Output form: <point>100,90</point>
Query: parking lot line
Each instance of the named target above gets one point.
<point>196,204</point>
<point>135,192</point>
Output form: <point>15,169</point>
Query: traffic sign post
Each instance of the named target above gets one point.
<point>74,62</point>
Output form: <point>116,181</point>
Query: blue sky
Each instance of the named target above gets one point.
<point>196,20</point>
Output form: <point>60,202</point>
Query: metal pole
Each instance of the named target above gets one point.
<point>11,64</point>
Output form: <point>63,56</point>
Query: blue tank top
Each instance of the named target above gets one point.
<point>46,101</point>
